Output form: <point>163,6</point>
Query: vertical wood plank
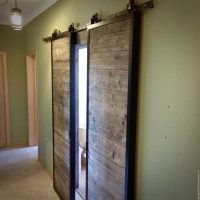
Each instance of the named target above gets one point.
<point>107,108</point>
<point>61,115</point>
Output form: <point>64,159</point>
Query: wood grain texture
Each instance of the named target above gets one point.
<point>61,116</point>
<point>108,94</point>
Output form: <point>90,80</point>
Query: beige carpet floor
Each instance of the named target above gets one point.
<point>22,177</point>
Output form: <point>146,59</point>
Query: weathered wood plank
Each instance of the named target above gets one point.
<point>108,93</point>
<point>62,149</point>
<point>112,97</point>
<point>61,124</point>
<point>117,132</point>
<point>62,184</point>
<point>106,186</point>
<point>61,116</point>
<point>110,48</point>
<point>111,29</point>
<point>107,155</point>
<point>108,130</point>
<point>60,50</point>
<point>112,42</point>
<point>109,55</point>
<point>109,79</point>
<point>62,99</point>
<point>110,64</point>
<point>107,148</point>
<point>111,115</point>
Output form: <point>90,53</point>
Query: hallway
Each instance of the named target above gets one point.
<point>22,177</point>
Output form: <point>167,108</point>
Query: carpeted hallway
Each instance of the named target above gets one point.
<point>22,177</point>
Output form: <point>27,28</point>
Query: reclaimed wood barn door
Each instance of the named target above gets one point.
<point>61,116</point>
<point>109,55</point>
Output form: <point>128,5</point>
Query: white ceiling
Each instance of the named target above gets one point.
<point>30,9</point>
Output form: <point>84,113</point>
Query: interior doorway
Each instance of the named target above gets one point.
<point>32,98</point>
<point>81,66</point>
<point>4,103</point>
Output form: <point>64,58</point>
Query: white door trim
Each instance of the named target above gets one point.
<point>5,74</point>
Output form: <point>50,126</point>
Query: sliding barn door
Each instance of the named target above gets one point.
<point>61,116</point>
<point>109,46</point>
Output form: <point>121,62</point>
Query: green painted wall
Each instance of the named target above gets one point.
<point>169,94</point>
<point>58,16</point>
<point>13,44</point>
<point>169,110</point>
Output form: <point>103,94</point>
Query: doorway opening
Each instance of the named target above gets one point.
<point>32,98</point>
<point>81,83</point>
<point>4,103</point>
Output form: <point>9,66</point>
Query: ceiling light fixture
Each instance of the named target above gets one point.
<point>16,18</point>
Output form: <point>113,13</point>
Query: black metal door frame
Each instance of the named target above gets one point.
<point>131,137</point>
<point>73,115</point>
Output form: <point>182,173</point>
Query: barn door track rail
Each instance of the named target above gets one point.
<point>132,6</point>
